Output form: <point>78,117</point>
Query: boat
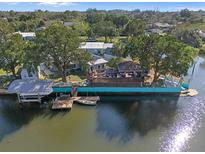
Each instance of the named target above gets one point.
<point>92,101</point>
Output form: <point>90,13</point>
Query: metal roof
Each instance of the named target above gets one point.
<point>31,86</point>
<point>26,34</point>
<point>98,62</point>
<point>96,45</point>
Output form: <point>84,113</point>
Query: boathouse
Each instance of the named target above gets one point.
<point>31,90</point>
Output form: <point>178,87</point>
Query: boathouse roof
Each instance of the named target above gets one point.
<point>31,86</point>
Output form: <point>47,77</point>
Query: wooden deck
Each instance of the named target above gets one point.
<point>64,102</point>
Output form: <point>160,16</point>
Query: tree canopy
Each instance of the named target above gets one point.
<point>59,45</point>
<point>134,28</point>
<point>105,28</point>
<point>164,54</point>
<point>12,53</point>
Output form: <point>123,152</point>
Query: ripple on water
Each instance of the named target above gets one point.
<point>187,122</point>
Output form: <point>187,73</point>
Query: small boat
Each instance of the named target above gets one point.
<point>92,101</point>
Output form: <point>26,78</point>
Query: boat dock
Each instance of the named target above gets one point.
<point>30,90</point>
<point>66,102</point>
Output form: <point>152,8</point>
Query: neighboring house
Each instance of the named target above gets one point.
<point>29,36</point>
<point>158,28</point>
<point>154,31</point>
<point>201,34</point>
<point>69,24</point>
<point>99,49</point>
<point>40,28</point>
<point>162,25</point>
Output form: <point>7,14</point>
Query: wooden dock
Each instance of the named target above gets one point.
<point>189,92</point>
<point>64,102</point>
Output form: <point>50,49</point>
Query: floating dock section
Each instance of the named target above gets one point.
<point>63,102</point>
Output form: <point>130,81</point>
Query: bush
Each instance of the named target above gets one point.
<point>202,49</point>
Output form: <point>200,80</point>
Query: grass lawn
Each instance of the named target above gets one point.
<point>74,77</point>
<point>2,72</point>
<point>102,39</point>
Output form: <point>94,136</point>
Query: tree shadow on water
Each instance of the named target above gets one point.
<point>13,118</point>
<point>123,119</point>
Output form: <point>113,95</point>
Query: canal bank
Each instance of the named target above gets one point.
<point>140,124</point>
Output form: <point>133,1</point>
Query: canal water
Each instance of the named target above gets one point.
<point>115,124</point>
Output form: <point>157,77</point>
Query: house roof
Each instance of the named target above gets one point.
<point>128,66</point>
<point>201,34</point>
<point>97,62</point>
<point>96,45</point>
<point>163,25</point>
<point>31,86</point>
<point>26,34</point>
<point>69,23</point>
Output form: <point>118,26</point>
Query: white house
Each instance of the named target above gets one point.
<point>99,49</point>
<point>96,47</point>
<point>97,65</point>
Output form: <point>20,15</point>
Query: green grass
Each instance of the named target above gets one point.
<point>2,72</point>
<point>74,77</point>
<point>192,26</point>
<point>102,39</point>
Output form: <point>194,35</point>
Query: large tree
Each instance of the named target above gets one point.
<point>105,28</point>
<point>59,45</point>
<point>188,36</point>
<point>11,48</point>
<point>119,48</point>
<point>12,53</point>
<point>134,27</point>
<point>163,54</point>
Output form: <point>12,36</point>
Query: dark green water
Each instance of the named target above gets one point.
<point>143,124</point>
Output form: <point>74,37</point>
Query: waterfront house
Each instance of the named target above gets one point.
<point>97,67</point>
<point>130,69</point>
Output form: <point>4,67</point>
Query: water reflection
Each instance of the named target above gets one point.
<point>202,64</point>
<point>186,124</point>
<point>122,120</point>
<point>12,117</point>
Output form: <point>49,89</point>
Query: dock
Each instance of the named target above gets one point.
<point>64,102</point>
<point>30,90</point>
<point>189,92</point>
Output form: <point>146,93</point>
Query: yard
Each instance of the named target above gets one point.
<point>73,78</point>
